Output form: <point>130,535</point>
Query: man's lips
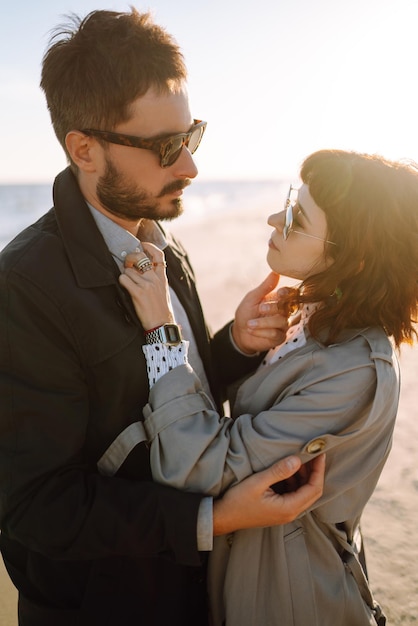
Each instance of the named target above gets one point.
<point>177,193</point>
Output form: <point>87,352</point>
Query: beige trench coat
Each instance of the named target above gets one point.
<point>341,399</point>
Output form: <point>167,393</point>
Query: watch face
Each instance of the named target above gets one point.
<point>172,333</point>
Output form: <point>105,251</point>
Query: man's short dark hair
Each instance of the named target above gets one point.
<point>96,67</point>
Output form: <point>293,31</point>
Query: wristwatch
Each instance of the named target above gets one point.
<point>169,334</point>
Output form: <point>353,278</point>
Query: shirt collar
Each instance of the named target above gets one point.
<point>121,242</point>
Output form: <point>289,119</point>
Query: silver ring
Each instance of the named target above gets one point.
<point>144,265</point>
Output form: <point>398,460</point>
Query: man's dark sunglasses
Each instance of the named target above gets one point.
<point>169,148</point>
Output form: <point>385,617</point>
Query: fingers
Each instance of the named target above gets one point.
<point>266,287</point>
<point>150,251</point>
<point>270,323</point>
<point>156,255</point>
<point>281,470</point>
<point>269,308</point>
<point>312,490</point>
<point>150,297</point>
<point>266,332</point>
<point>303,487</point>
<point>145,280</point>
<point>144,272</point>
<point>128,280</point>
<point>316,478</point>
<point>279,303</point>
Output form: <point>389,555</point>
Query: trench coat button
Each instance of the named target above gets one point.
<point>315,446</point>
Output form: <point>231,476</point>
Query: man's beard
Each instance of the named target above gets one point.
<point>127,201</point>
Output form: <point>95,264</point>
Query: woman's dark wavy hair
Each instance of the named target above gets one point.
<point>371,206</point>
<point>96,67</point>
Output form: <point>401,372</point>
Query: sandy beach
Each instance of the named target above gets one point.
<point>228,254</point>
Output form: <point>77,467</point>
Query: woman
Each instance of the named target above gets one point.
<point>351,238</point>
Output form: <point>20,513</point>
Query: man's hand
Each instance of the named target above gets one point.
<point>252,503</point>
<point>260,323</point>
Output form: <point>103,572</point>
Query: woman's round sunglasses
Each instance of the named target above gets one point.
<point>289,205</point>
<point>168,148</point>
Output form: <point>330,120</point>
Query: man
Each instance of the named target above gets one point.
<point>84,547</point>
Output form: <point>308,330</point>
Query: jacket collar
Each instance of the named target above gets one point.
<point>91,261</point>
<point>371,334</point>
<point>120,242</point>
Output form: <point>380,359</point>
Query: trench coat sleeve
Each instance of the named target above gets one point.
<point>52,498</point>
<point>193,448</point>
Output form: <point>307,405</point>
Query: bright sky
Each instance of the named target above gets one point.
<point>275,79</point>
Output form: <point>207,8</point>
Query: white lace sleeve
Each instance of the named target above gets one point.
<point>162,358</point>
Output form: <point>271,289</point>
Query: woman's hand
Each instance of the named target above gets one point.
<point>147,285</point>
<point>261,321</point>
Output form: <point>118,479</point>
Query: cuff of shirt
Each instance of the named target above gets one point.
<point>231,339</point>
<point>162,358</point>
<point>205,525</point>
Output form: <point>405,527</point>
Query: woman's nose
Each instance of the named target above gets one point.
<point>277,220</point>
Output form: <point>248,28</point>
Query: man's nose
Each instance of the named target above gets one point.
<point>185,167</point>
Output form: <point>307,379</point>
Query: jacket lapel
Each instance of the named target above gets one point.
<point>91,261</point>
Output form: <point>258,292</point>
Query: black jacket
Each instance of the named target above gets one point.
<point>82,548</point>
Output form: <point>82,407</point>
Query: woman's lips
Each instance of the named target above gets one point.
<point>271,245</point>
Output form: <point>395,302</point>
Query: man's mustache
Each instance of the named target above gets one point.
<point>177,185</point>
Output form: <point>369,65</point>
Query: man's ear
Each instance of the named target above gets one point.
<point>83,150</point>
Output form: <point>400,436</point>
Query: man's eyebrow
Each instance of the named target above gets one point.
<point>302,210</point>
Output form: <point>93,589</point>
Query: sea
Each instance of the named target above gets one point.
<point>21,205</point>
